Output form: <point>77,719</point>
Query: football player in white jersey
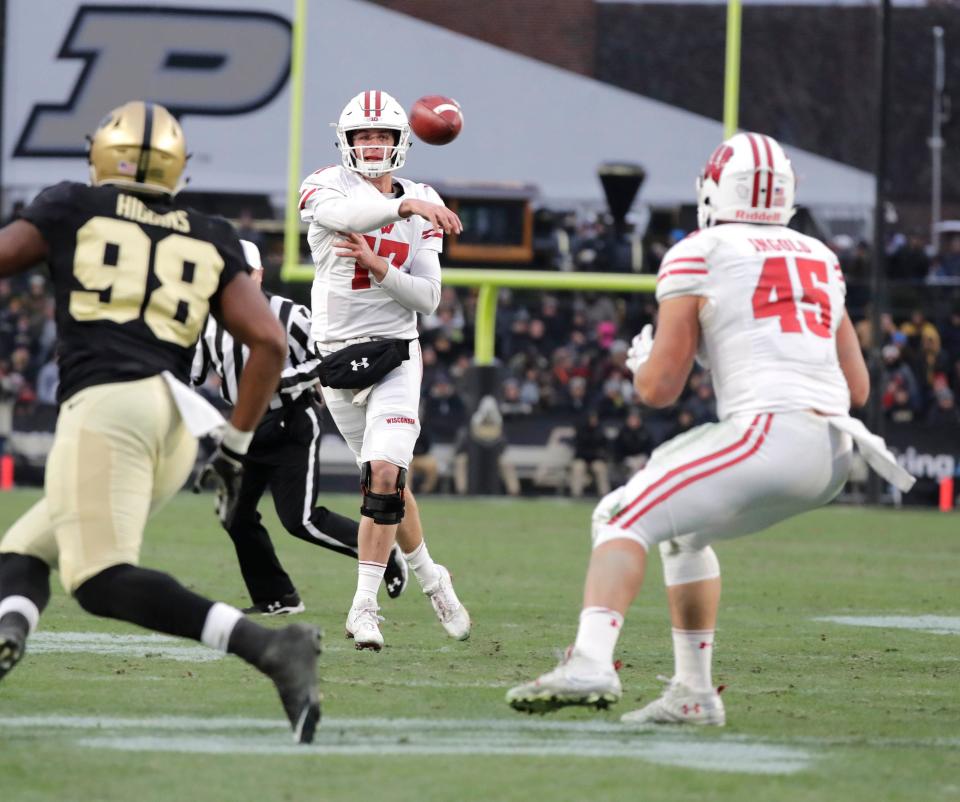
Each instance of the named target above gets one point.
<point>763,307</point>
<point>376,240</point>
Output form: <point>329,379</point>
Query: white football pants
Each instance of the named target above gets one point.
<point>387,425</point>
<point>726,479</point>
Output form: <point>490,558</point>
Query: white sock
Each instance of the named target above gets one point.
<point>693,655</point>
<point>22,605</point>
<point>219,625</point>
<point>369,577</point>
<point>598,633</point>
<point>424,568</point>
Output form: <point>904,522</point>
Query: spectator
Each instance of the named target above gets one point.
<point>539,337</point>
<point>20,375</point>
<point>558,330</point>
<point>684,422</point>
<point>898,407</point>
<point>247,229</point>
<point>897,375</point>
<point>424,469</point>
<point>530,388</point>
<point>909,262</point>
<point>633,445</point>
<point>444,411</point>
<point>485,431</point>
<point>701,403</point>
<point>448,314</point>
<point>428,358</point>
<point>9,390</point>
<point>46,331</point>
<point>613,404</point>
<point>590,448</point>
<point>950,257</point>
<point>48,380</point>
<point>513,405</point>
<point>575,401</point>
<point>951,338</point>
<point>944,410</point>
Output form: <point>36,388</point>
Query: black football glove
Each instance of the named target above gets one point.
<point>224,474</point>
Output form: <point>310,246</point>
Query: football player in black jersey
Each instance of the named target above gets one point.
<point>135,273</point>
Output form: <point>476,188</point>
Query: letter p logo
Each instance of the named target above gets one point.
<point>192,61</point>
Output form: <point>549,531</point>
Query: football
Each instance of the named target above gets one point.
<point>436,119</point>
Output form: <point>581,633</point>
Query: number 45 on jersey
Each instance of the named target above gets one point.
<point>775,296</point>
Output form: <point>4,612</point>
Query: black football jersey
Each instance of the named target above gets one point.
<point>135,276</point>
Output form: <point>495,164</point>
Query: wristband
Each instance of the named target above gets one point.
<point>235,440</point>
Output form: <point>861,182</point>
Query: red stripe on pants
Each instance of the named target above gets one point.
<point>704,474</point>
<point>668,476</point>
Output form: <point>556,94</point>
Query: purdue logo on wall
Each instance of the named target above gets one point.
<point>193,61</point>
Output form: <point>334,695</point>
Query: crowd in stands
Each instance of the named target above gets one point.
<point>562,356</point>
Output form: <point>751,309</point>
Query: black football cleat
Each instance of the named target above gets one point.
<point>396,574</point>
<point>290,660</point>
<point>288,604</point>
<point>12,645</point>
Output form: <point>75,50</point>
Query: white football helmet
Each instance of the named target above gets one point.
<point>749,179</point>
<point>373,109</point>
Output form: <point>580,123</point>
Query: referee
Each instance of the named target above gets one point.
<point>284,456</point>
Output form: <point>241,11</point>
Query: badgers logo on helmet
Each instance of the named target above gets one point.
<point>717,162</point>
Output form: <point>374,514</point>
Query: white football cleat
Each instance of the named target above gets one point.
<point>452,614</point>
<point>578,680</point>
<point>363,625</point>
<point>680,704</point>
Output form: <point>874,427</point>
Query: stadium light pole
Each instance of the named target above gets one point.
<point>731,80</point>
<point>936,139</point>
<point>291,227</point>
<point>879,262</point>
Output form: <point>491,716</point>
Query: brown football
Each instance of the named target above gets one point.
<point>436,119</point>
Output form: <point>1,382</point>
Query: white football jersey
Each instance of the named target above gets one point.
<point>346,301</point>
<point>775,299</point>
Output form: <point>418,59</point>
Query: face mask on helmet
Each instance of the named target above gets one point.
<point>373,110</point>
<point>138,145</point>
<point>748,179</point>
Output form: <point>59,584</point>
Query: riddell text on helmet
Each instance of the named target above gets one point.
<point>759,217</point>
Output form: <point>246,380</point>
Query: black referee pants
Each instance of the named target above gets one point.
<point>285,457</point>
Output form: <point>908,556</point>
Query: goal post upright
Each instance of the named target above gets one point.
<point>731,82</point>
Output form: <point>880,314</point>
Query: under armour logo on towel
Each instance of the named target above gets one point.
<point>361,364</point>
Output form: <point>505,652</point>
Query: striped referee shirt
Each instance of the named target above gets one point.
<point>217,350</point>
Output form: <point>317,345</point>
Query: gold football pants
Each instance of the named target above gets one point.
<point>120,452</point>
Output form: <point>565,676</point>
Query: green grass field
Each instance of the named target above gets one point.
<point>816,710</point>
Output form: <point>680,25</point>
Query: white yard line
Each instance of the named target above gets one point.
<point>719,756</point>
<point>169,648</point>
<point>422,736</point>
<point>934,624</point>
<point>360,737</point>
<point>105,643</point>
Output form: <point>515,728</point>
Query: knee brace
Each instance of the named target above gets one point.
<point>384,508</point>
<point>682,564</point>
